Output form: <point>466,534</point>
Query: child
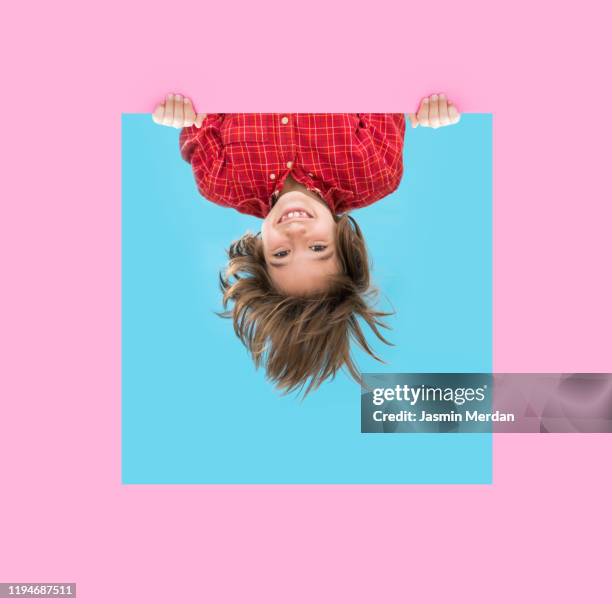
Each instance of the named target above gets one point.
<point>298,289</point>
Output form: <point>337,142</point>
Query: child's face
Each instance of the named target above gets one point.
<point>299,243</point>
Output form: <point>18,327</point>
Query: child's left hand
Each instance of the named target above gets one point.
<point>435,111</point>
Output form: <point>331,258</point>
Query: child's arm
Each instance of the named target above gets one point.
<point>435,111</point>
<point>177,111</point>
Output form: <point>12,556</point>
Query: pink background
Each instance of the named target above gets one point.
<point>542,530</point>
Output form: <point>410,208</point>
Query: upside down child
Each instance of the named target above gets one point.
<point>296,290</point>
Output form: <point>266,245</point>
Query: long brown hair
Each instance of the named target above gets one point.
<point>302,340</point>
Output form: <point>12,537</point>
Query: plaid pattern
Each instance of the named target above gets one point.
<point>241,160</point>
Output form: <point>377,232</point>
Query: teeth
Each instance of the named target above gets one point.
<point>295,214</point>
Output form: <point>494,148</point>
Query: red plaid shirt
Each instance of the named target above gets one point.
<point>241,160</point>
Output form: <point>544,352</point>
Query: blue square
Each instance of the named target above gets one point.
<point>194,408</point>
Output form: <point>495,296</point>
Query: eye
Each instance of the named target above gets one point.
<point>281,254</point>
<point>318,248</point>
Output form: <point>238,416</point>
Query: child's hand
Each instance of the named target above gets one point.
<point>178,112</point>
<point>435,111</point>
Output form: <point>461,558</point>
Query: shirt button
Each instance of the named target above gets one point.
<point>285,120</point>
<point>272,176</point>
<point>310,174</point>
<point>290,164</point>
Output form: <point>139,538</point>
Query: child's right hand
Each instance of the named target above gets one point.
<point>435,111</point>
<point>178,112</point>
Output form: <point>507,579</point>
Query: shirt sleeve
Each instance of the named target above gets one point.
<point>207,149</point>
<point>386,132</point>
<point>204,141</point>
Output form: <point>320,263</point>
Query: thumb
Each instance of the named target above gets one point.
<point>199,119</point>
<point>413,120</point>
<point>158,114</point>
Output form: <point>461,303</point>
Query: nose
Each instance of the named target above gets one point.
<point>295,228</point>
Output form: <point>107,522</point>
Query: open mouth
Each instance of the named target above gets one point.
<point>294,214</point>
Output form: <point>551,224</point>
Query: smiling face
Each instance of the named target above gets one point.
<point>301,340</point>
<point>299,243</point>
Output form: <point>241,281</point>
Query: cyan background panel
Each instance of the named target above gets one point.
<point>194,409</point>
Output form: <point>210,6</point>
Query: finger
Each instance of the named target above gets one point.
<point>199,119</point>
<point>169,111</point>
<point>423,113</point>
<point>189,111</point>
<point>178,111</point>
<point>443,110</point>
<point>158,114</point>
<point>434,119</point>
<point>413,120</point>
<point>453,114</point>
